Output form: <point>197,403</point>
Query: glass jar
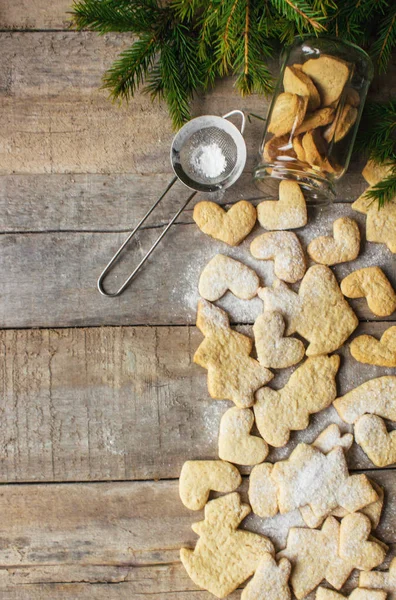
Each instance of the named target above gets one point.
<point>314,116</point>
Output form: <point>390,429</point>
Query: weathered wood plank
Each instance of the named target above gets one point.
<point>58,536</point>
<point>35,14</point>
<point>59,271</point>
<point>122,403</point>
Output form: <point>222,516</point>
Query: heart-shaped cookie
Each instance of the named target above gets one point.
<point>343,246</point>
<point>379,444</point>
<point>382,353</point>
<point>354,546</point>
<point>371,283</point>
<point>230,227</point>
<point>223,273</point>
<point>199,477</point>
<point>235,442</point>
<point>274,350</point>
<point>284,248</point>
<point>289,212</point>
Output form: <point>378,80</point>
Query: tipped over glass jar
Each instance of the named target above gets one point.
<point>314,116</point>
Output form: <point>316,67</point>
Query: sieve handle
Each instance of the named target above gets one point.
<point>109,265</point>
<point>241,114</point>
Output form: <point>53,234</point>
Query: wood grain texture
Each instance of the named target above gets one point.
<point>127,534</point>
<point>35,14</point>
<point>59,271</point>
<point>122,403</point>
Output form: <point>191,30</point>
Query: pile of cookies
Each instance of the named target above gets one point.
<point>318,107</point>
<point>339,509</point>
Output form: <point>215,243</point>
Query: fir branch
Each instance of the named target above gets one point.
<point>302,13</point>
<point>384,191</point>
<point>377,132</point>
<point>386,41</point>
<point>104,16</point>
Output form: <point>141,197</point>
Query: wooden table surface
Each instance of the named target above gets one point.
<point>101,403</point>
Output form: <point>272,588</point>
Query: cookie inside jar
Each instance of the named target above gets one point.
<point>313,118</point>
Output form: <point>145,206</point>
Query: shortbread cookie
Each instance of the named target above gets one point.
<point>278,146</point>
<point>379,444</point>
<point>382,353</point>
<point>235,442</point>
<point>225,353</point>
<point>331,438</point>
<point>224,556</point>
<point>371,283</point>
<point>273,350</point>
<point>373,172</point>
<point>329,75</point>
<point>289,212</point>
<point>376,396</point>
<point>223,273</point>
<point>380,223</point>
<point>230,227</point>
<point>343,246</point>
<point>284,248</point>
<point>326,320</point>
<point>352,97</point>
<point>298,148</point>
<point>331,553</point>
<point>295,81</point>
<point>288,113</point>
<point>280,298</point>
<point>263,499</point>
<point>199,477</point>
<point>314,148</point>
<point>278,412</point>
<point>319,118</point>
<point>342,124</point>
<point>383,580</point>
<point>357,594</point>
<point>270,581</point>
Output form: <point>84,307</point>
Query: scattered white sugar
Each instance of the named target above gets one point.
<point>276,528</point>
<point>209,160</point>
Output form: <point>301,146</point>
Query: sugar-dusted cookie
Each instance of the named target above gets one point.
<point>326,320</point>
<point>288,113</point>
<point>342,246</point>
<point>379,444</point>
<point>199,477</point>
<point>284,248</point>
<point>224,273</point>
<point>342,124</point>
<point>319,118</point>
<point>376,396</point>
<point>357,594</point>
<point>329,75</point>
<point>280,298</point>
<point>278,412</point>
<point>263,491</point>
<point>383,580</point>
<point>274,350</point>
<point>235,442</point>
<point>371,283</point>
<point>382,353</point>
<point>331,437</point>
<point>225,353</point>
<point>320,554</point>
<point>373,172</point>
<point>270,581</point>
<point>295,81</point>
<point>224,556</point>
<point>230,227</point>
<point>289,212</point>
<point>380,224</point>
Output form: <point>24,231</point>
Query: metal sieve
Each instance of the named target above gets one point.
<point>187,146</point>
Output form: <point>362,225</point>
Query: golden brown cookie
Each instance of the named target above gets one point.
<point>298,148</point>
<point>352,97</point>
<point>199,477</point>
<point>284,248</point>
<point>382,353</point>
<point>380,223</point>
<point>278,412</point>
<point>319,118</point>
<point>314,148</point>
<point>342,124</point>
<point>379,445</point>
<point>222,567</point>
<point>329,75</point>
<point>295,81</point>
<point>225,353</point>
<point>371,283</point>
<point>373,172</point>
<point>289,212</point>
<point>223,273</point>
<point>235,442</point>
<point>278,146</point>
<point>343,246</point>
<point>376,396</point>
<point>230,227</point>
<point>287,114</point>
<point>273,349</point>
<point>270,581</point>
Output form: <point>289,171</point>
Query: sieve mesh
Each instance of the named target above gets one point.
<point>197,141</point>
